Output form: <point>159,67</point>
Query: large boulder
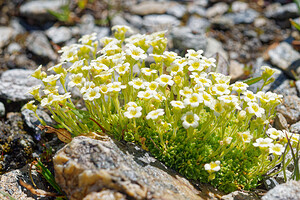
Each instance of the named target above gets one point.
<point>87,168</point>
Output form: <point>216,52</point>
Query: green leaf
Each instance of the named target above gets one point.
<point>252,81</point>
<point>295,24</point>
<point>48,176</point>
<point>7,195</point>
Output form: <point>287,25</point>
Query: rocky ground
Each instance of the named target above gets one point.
<point>243,35</point>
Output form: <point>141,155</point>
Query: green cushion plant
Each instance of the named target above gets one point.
<point>186,115</point>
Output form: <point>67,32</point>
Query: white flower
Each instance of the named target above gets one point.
<point>195,65</point>
<point>51,79</point>
<point>198,88</point>
<point>208,100</point>
<point>177,104</point>
<point>194,100</point>
<point>186,92</point>
<point>122,68</point>
<point>88,38</point>
<point>76,80</point>
<point>239,86</point>
<point>87,85</point>
<point>115,87</point>
<point>164,80</point>
<point>190,120</point>
<point>269,71</point>
<point>158,58</point>
<point>146,94</point>
<point>246,136</point>
<point>135,52</point>
<point>137,83</point>
<point>220,78</point>
<point>254,108</point>
<point>249,96</point>
<point>91,94</point>
<point>274,133</point>
<point>192,54</point>
<point>181,62</point>
<point>148,71</point>
<point>220,89</point>
<point>121,28</point>
<point>213,166</point>
<point>209,62</point>
<point>266,97</point>
<point>155,114</point>
<point>159,97</point>
<point>263,142</point>
<point>218,107</point>
<point>76,66</point>
<point>174,69</point>
<point>152,86</point>
<point>277,149</point>
<point>47,101</point>
<point>131,104</point>
<point>204,81</point>
<point>133,112</point>
<point>103,89</point>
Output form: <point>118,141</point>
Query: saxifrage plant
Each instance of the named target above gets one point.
<point>188,116</point>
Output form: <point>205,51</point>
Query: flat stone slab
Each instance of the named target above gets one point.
<point>87,168</point>
<point>15,83</point>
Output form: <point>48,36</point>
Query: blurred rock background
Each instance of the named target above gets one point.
<point>243,35</point>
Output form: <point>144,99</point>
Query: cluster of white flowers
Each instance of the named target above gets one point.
<point>109,86</point>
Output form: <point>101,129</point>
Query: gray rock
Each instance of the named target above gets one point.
<point>7,34</point>
<point>134,20</point>
<point>198,10</point>
<point>295,128</point>
<point>236,70</point>
<point>260,22</point>
<point>59,34</point>
<point>197,24</point>
<point>38,44</point>
<point>15,83</point>
<point>246,17</point>
<point>282,86</point>
<point>119,20</point>
<point>38,10</point>
<point>149,7</point>
<point>280,177</point>
<point>239,6</point>
<point>86,165</point>
<point>280,122</point>
<point>87,26</point>
<point>290,109</point>
<point>281,12</point>
<point>214,46</point>
<point>283,56</point>
<point>240,195</point>
<point>217,9</point>
<point>177,10</point>
<point>286,191</point>
<point>32,121</point>
<point>184,39</point>
<point>298,86</point>
<point>202,3</point>
<point>18,28</point>
<point>2,110</point>
<point>9,183</point>
<point>270,183</point>
<point>14,48</point>
<point>160,22</point>
<point>222,22</point>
